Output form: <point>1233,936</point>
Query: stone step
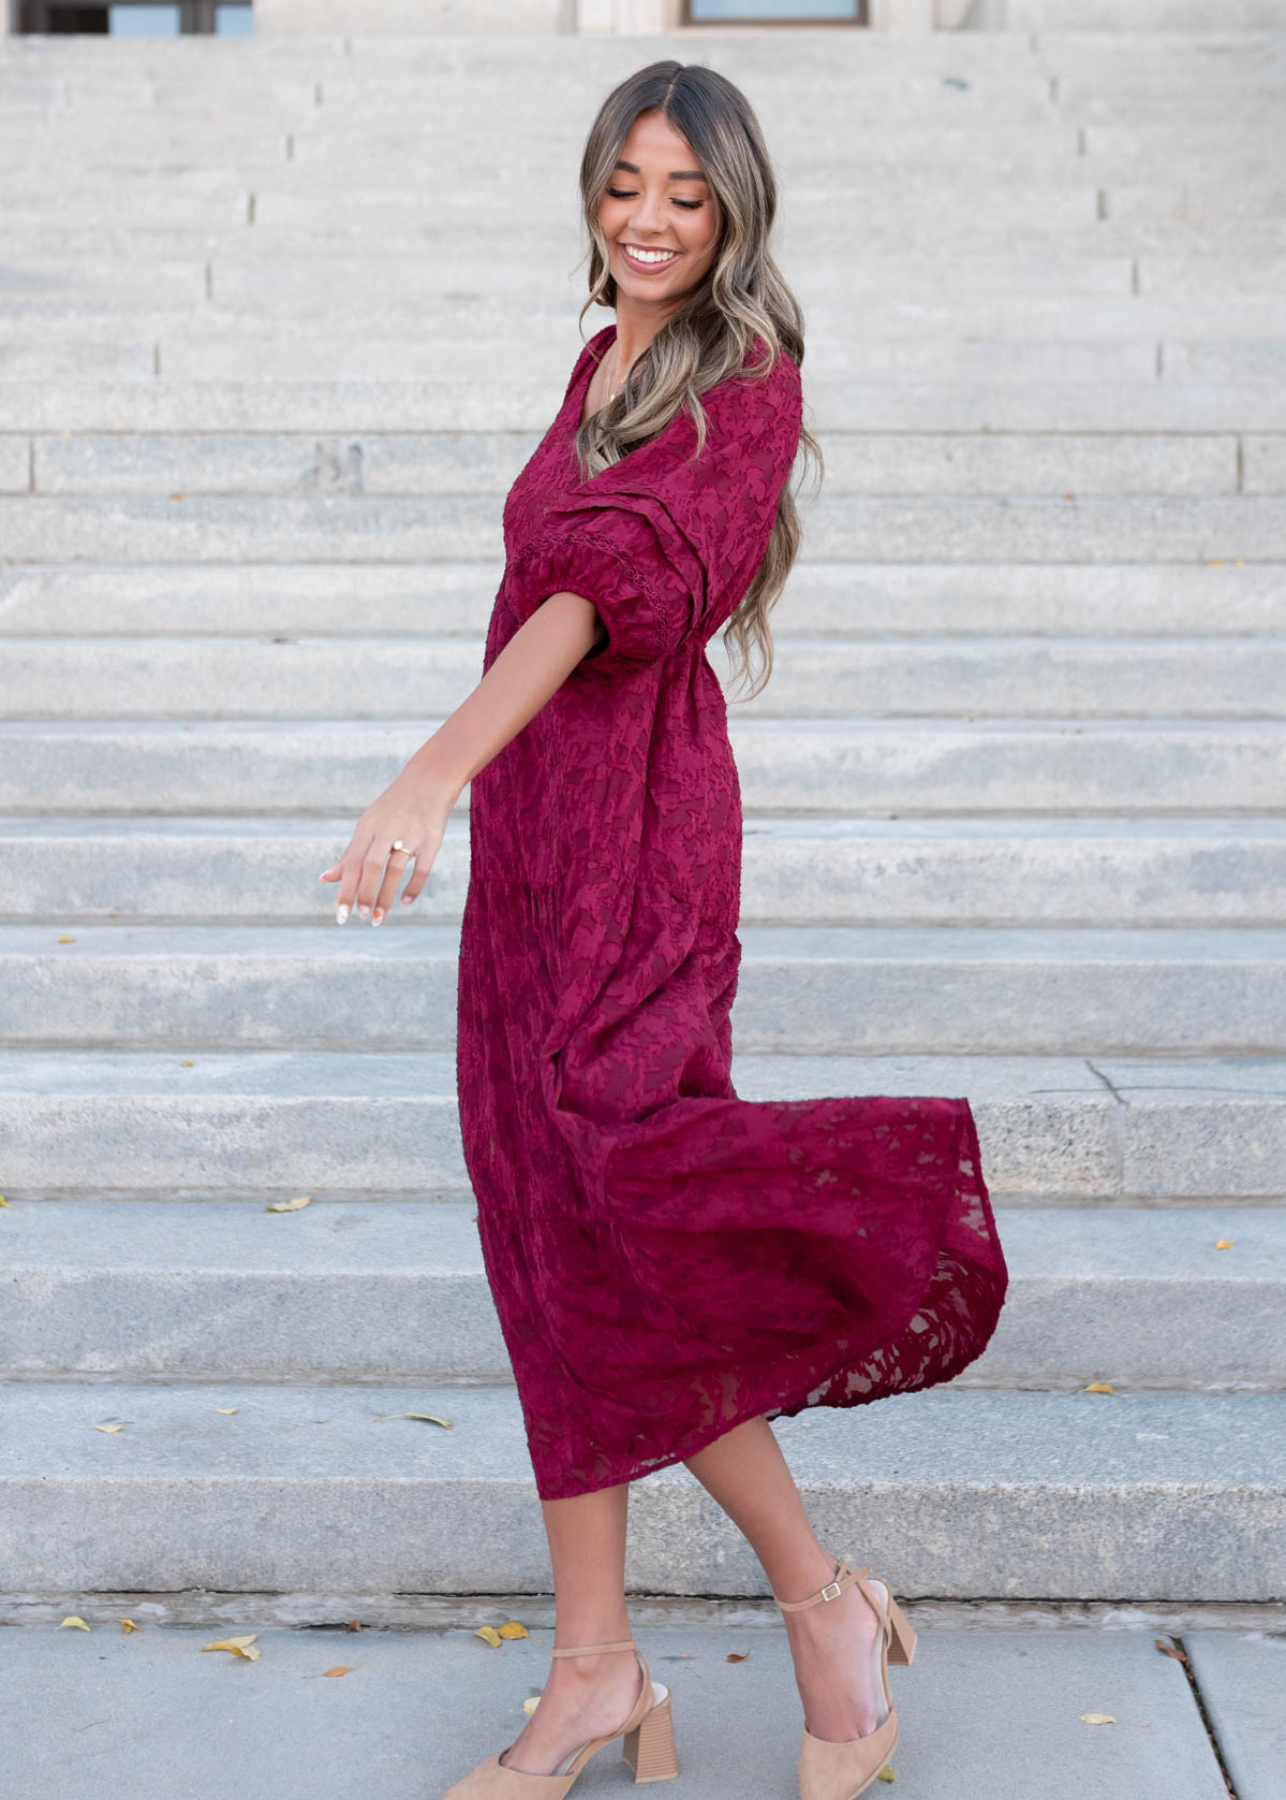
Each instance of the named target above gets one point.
<point>911,528</point>
<point>145,1291</point>
<point>1169,1132</point>
<point>828,599</point>
<point>806,989</point>
<point>437,464</point>
<point>899,406</point>
<point>834,678</point>
<point>550,323</point>
<point>912,768</point>
<point>1128,1496</point>
<point>939,231</point>
<point>979,871</point>
<point>282,282</point>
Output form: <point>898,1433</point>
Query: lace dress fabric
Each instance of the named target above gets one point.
<point>668,1260</point>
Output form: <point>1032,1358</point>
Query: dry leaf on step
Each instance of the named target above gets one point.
<point>738,1655</point>
<point>529,1706</point>
<point>512,1629</point>
<point>1098,1718</point>
<point>1225,1243</point>
<point>119,1427</point>
<point>1100,1387</point>
<point>127,1625</point>
<point>238,1646</point>
<point>225,1409</point>
<point>289,1205</point>
<point>886,1773</point>
<point>71,1619</point>
<point>1173,1650</point>
<point>341,1670</point>
<point>491,1635</point>
<point>432,1418</point>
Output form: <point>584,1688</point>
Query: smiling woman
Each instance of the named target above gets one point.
<point>673,1267</point>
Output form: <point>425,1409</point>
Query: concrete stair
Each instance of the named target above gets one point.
<point>1015,795</point>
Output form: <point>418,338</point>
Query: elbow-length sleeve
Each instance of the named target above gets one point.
<point>666,541</point>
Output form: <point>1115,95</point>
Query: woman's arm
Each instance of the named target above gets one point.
<point>414,807</point>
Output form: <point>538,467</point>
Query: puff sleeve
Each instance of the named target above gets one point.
<point>666,542</point>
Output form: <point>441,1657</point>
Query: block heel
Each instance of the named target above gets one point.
<point>902,1637</point>
<point>649,1748</point>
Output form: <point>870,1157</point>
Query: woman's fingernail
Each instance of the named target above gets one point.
<point>377,915</point>
<point>364,909</point>
<point>406,899</point>
<point>341,913</point>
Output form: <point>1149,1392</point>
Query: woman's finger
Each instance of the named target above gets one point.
<point>397,862</point>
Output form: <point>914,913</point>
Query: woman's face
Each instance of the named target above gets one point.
<point>658,203</point>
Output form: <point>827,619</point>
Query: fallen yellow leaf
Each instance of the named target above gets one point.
<point>225,1409</point>
<point>71,1619</point>
<point>514,1630</point>
<point>188,1063</point>
<point>119,1427</point>
<point>737,1655</point>
<point>491,1635</point>
<point>66,940</point>
<point>1098,1718</point>
<point>432,1418</point>
<point>1225,1243</point>
<point>341,1670</point>
<point>886,1773</point>
<point>529,1706</point>
<point>3,1201</point>
<point>353,1625</point>
<point>238,1646</point>
<point>289,1205</point>
<point>128,1625</point>
<point>1100,1387</point>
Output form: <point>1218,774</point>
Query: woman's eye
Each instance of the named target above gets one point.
<point>628,194</point>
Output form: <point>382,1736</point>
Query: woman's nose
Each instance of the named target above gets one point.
<point>647,215</point>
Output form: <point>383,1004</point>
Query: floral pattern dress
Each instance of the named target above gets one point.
<point>668,1260</point>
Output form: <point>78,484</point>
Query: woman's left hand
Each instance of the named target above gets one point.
<point>414,807</point>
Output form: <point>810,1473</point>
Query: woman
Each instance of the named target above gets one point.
<point>672,1267</point>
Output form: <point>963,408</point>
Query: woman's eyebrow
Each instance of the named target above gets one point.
<point>674,175</point>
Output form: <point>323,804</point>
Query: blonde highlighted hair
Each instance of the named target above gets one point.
<point>710,334</point>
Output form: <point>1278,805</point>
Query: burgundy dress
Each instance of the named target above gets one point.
<point>668,1260</point>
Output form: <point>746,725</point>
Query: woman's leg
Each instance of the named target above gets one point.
<point>583,1696</point>
<point>747,1474</point>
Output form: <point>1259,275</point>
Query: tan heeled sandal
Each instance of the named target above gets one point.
<point>831,1769</point>
<point>648,1747</point>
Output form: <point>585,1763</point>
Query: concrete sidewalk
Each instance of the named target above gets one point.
<point>985,1714</point>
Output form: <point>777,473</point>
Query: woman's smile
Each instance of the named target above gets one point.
<point>647,261</point>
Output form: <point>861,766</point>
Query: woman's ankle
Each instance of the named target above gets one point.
<point>805,1575</point>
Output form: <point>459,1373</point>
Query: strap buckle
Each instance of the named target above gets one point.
<point>832,1591</point>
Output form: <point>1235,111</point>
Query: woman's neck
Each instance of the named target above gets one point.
<point>636,326</point>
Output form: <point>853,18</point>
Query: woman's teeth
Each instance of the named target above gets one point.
<point>649,256</point>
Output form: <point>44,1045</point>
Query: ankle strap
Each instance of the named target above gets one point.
<point>595,1649</point>
<point>845,1575</point>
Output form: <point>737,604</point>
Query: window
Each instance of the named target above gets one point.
<point>142,18</point>
<point>773,12</point>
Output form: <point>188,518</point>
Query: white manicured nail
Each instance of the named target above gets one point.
<point>341,913</point>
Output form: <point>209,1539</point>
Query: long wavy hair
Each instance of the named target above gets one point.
<point>710,334</point>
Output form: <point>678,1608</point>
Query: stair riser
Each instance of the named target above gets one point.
<point>396,679</point>
<point>215,877</point>
<point>90,997</point>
